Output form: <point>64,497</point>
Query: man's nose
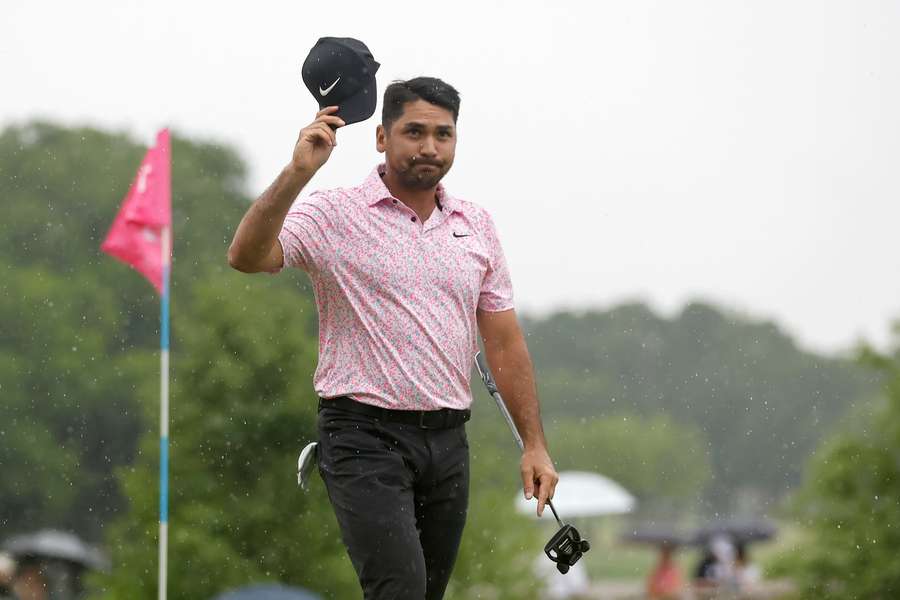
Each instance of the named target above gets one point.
<point>428,147</point>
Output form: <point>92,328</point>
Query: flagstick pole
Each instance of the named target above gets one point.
<point>164,417</point>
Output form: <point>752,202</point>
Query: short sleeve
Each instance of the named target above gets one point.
<point>307,236</point>
<point>496,288</point>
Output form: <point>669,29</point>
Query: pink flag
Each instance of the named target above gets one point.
<point>135,237</point>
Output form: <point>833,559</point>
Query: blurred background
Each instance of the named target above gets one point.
<point>698,201</point>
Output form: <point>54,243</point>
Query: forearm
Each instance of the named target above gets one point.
<point>513,372</point>
<point>259,228</point>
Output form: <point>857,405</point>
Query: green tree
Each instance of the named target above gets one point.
<point>67,413</point>
<point>79,329</point>
<point>760,402</point>
<point>663,464</point>
<point>242,408</point>
<point>849,504</point>
<point>79,374</point>
<point>79,378</point>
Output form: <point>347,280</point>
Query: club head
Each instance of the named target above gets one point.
<point>565,548</point>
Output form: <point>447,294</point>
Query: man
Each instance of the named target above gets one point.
<point>404,274</point>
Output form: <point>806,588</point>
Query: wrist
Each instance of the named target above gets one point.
<point>535,447</point>
<point>298,171</point>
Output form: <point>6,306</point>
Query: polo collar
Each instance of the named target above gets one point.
<point>374,191</point>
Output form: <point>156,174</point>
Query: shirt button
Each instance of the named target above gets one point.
<point>413,219</point>
<point>395,202</point>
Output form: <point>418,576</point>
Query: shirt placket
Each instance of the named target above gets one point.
<point>434,221</point>
<point>408,214</point>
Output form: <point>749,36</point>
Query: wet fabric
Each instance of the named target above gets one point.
<point>396,298</point>
<point>400,494</point>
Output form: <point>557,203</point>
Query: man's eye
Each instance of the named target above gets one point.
<point>414,132</point>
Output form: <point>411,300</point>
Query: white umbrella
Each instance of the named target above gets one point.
<point>49,543</point>
<point>583,494</point>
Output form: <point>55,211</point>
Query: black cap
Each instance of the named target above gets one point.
<point>341,72</point>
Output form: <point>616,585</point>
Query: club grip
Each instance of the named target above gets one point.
<point>485,373</point>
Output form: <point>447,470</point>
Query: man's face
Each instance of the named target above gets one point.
<point>420,145</point>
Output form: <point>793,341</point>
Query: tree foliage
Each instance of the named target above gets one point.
<point>760,402</point>
<point>243,407</point>
<point>79,329</point>
<point>849,504</point>
<point>663,405</point>
<point>80,376</point>
<point>664,464</point>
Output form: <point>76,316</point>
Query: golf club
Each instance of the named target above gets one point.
<point>566,546</point>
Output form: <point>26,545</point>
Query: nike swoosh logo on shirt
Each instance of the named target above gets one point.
<point>459,235</point>
<point>327,90</point>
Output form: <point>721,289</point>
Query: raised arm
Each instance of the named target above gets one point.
<point>255,245</point>
<point>507,356</point>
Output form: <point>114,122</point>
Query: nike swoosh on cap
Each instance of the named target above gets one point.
<point>459,235</point>
<point>327,90</point>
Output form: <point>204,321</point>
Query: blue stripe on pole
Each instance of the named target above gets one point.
<point>164,480</point>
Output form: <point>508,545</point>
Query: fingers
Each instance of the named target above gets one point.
<point>329,133</point>
<point>528,482</point>
<point>326,115</point>
<point>539,479</point>
<point>320,132</point>
<point>331,120</point>
<point>328,110</point>
<point>323,127</point>
<point>546,487</point>
<point>554,479</point>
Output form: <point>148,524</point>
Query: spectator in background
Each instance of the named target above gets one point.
<point>746,573</point>
<point>7,571</point>
<point>665,581</point>
<point>716,570</point>
<point>704,574</point>
<point>29,582</point>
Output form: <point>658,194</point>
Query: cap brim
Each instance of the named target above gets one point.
<point>361,105</point>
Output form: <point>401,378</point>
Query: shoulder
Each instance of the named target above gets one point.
<point>327,200</point>
<point>477,216</point>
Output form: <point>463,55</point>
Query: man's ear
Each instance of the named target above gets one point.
<point>380,135</point>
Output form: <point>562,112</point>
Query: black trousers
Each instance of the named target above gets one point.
<point>400,495</point>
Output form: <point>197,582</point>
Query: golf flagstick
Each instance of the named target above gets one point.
<point>567,546</point>
<point>141,236</point>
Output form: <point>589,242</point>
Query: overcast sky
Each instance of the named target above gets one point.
<point>742,152</point>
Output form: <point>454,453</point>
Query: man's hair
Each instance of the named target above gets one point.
<point>429,89</point>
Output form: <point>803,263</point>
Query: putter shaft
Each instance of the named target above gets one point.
<point>491,386</point>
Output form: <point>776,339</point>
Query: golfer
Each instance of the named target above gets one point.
<point>405,277</point>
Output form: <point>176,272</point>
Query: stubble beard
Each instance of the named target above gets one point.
<point>419,179</point>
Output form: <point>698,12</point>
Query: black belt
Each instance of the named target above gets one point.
<point>444,418</point>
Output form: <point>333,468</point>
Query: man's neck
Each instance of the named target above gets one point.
<point>422,202</point>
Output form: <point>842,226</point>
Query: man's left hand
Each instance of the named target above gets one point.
<point>538,476</point>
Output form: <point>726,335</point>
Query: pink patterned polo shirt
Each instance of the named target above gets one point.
<point>396,297</point>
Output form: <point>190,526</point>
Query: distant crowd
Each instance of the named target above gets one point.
<point>724,568</point>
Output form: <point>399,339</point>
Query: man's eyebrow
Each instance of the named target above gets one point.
<point>414,124</point>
